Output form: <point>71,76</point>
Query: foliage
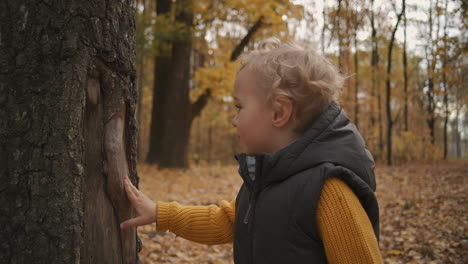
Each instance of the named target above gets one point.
<point>410,146</point>
<point>219,27</point>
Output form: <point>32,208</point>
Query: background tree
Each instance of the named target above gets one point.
<point>430,54</point>
<point>67,131</point>
<point>175,104</point>
<point>375,89</point>
<point>388,94</point>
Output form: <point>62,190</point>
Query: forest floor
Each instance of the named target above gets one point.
<point>423,211</point>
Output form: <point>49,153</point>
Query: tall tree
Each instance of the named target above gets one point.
<point>173,112</point>
<point>357,21</point>
<point>405,73</point>
<point>176,105</point>
<point>388,86</point>
<point>431,58</point>
<point>444,79</point>
<point>324,26</point>
<point>375,89</point>
<point>67,131</point>
<point>162,71</point>
<point>144,22</point>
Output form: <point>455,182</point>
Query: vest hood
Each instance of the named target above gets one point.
<point>330,138</point>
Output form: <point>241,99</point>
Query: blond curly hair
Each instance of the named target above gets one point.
<point>305,76</point>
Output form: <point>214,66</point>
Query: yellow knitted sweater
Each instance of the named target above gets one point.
<point>343,224</point>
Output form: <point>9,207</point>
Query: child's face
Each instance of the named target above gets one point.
<point>253,119</point>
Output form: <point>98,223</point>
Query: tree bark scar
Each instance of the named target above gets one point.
<point>106,75</point>
<point>94,85</point>
<point>93,89</point>
<point>117,169</point>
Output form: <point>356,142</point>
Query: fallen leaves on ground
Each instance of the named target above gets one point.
<point>424,213</point>
<point>195,186</point>
<point>423,210</point>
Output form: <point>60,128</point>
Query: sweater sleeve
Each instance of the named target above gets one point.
<point>209,225</point>
<point>344,226</point>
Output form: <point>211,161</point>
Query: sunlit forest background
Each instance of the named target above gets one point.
<point>405,60</point>
<point>406,91</point>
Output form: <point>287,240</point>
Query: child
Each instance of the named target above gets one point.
<point>308,191</point>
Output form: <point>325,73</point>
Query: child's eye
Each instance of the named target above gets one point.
<point>238,107</point>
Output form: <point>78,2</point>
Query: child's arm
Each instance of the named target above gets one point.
<point>209,225</point>
<point>344,226</point>
<point>203,224</point>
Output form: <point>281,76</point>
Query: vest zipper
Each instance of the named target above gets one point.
<point>246,218</point>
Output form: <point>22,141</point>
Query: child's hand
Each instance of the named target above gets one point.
<point>145,208</point>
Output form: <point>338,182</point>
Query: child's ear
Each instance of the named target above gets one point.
<point>282,110</point>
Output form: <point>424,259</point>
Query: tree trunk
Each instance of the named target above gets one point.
<point>445,83</point>
<point>178,113</point>
<point>340,37</point>
<point>324,27</point>
<point>141,65</point>
<point>431,65</point>
<point>173,113</point>
<point>456,134</point>
<point>67,131</point>
<point>380,119</point>
<point>356,70</point>
<point>162,71</point>
<point>405,76</point>
<point>388,85</point>
<point>375,89</point>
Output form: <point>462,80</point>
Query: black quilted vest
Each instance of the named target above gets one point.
<point>275,208</point>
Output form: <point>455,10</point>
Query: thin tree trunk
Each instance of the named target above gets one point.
<point>457,136</point>
<point>388,85</point>
<point>380,113</point>
<point>356,86</point>
<point>324,14</point>
<point>68,132</point>
<point>346,40</point>
<point>246,39</point>
<point>335,19</point>
<point>431,65</point>
<point>356,70</point>
<point>405,76</point>
<point>340,37</point>
<point>444,83</point>
<point>375,90</point>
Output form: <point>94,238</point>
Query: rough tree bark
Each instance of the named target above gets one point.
<point>67,131</point>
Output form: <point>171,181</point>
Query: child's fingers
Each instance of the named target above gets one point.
<point>132,222</point>
<point>134,189</point>
<point>132,196</point>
